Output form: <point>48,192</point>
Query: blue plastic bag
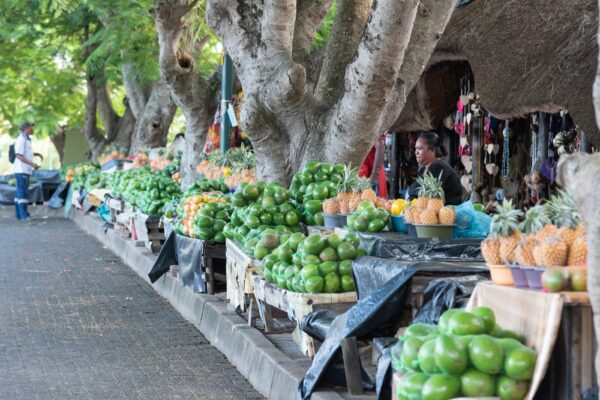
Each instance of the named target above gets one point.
<point>471,223</point>
<point>104,212</point>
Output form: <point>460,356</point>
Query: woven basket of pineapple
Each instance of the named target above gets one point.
<point>429,215</point>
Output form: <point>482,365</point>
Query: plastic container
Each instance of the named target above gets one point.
<point>410,227</point>
<point>434,231</point>
<point>534,276</point>
<point>342,220</point>
<point>398,224</point>
<point>501,275</point>
<point>519,277</point>
<point>331,221</point>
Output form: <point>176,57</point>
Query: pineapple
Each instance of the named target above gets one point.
<point>435,193</point>
<point>428,217</point>
<point>344,206</point>
<point>578,251</point>
<point>348,184</point>
<point>409,214</point>
<point>490,249</point>
<point>552,252</point>
<point>504,230</point>
<point>331,207</point>
<point>354,201</point>
<point>447,216</point>
<point>364,186</point>
<point>423,192</point>
<point>565,216</point>
<point>535,219</point>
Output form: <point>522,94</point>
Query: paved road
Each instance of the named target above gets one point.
<point>76,323</point>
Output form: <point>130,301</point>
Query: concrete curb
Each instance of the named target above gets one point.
<point>272,373</point>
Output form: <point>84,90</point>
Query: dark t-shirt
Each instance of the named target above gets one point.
<point>450,182</point>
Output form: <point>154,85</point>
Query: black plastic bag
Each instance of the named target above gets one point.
<point>166,258</point>
<point>57,200</point>
<point>317,324</point>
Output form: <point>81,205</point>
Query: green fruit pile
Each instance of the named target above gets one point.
<point>205,186</point>
<point>144,189</point>
<point>315,264</point>
<point>368,218</point>
<point>315,183</point>
<point>259,207</point>
<point>466,355</point>
<point>211,220</point>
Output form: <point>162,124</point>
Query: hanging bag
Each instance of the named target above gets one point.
<point>12,155</point>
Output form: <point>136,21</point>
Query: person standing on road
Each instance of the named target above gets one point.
<point>22,169</point>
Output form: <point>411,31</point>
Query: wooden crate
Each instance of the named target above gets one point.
<point>116,206</point>
<point>240,268</point>
<point>152,233</point>
<point>213,251</point>
<point>297,306</point>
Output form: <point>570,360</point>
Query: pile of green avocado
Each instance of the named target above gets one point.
<point>147,190</point>
<point>466,355</point>
<point>315,183</point>
<point>259,207</point>
<point>314,264</point>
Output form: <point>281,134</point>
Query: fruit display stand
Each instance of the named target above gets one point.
<point>240,268</point>
<point>558,326</point>
<point>116,207</point>
<point>297,306</point>
<point>149,230</point>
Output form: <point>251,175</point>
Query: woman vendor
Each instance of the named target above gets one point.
<point>429,152</point>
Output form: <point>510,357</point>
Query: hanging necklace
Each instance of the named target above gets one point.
<point>506,132</point>
<point>534,142</point>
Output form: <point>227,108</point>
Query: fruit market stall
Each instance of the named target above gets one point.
<point>41,186</point>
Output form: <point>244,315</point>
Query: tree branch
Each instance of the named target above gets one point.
<point>109,117</point>
<point>348,27</point>
<point>90,130</point>
<point>136,94</point>
<point>309,15</point>
<point>370,77</point>
<point>58,140</point>
<point>431,21</point>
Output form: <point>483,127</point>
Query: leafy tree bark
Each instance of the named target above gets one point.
<point>374,57</point>
<point>194,95</point>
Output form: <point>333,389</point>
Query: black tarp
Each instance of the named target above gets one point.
<point>410,248</point>
<point>42,190</point>
<point>382,289</point>
<point>186,252</point>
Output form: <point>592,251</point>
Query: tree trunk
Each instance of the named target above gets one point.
<point>95,140</point>
<point>374,57</point>
<point>580,173</point>
<point>58,140</point>
<point>196,97</point>
<point>152,125</point>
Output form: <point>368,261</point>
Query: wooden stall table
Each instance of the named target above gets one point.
<point>149,230</point>
<point>297,306</point>
<point>240,268</point>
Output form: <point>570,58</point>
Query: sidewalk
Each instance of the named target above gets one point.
<point>76,323</point>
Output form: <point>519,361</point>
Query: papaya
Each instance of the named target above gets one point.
<point>488,317</point>
<point>412,384</point>
<point>510,389</point>
<point>450,355</point>
<point>426,358</point>
<point>465,323</point>
<point>441,387</point>
<point>520,363</point>
<point>486,354</point>
<point>475,383</point>
<point>410,353</point>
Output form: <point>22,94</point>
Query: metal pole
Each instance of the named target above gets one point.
<point>585,145</point>
<point>226,89</point>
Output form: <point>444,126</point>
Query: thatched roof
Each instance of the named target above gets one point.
<point>525,55</point>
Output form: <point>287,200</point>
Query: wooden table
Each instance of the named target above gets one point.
<point>297,305</point>
<point>240,268</point>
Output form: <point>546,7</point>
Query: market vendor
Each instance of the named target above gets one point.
<point>429,153</point>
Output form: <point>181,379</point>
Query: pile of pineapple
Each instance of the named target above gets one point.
<point>236,166</point>
<point>550,235</point>
<point>351,191</point>
<point>430,208</point>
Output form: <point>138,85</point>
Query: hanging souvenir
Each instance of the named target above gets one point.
<point>506,134</point>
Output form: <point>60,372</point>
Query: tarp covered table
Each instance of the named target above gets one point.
<point>42,190</point>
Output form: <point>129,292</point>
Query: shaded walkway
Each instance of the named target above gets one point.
<point>75,323</point>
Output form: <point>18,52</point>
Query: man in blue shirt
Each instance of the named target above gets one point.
<point>22,169</point>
